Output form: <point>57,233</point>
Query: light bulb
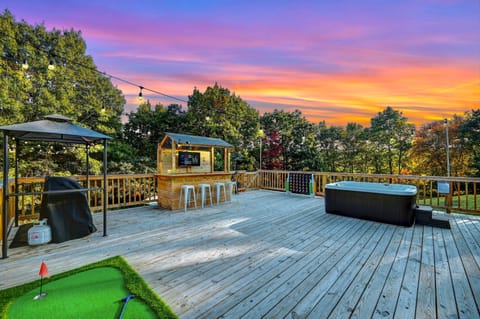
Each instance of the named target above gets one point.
<point>25,64</point>
<point>140,94</point>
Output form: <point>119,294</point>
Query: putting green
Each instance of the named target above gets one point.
<point>95,293</point>
<point>92,291</point>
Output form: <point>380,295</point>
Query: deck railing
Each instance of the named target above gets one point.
<point>247,180</point>
<point>140,189</point>
<point>464,195</point>
<point>122,191</point>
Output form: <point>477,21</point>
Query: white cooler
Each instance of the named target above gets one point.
<point>40,233</point>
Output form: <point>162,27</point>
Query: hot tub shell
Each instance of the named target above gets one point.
<point>386,203</point>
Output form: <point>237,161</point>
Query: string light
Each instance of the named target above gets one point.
<point>51,66</point>
<point>140,94</point>
<point>25,64</point>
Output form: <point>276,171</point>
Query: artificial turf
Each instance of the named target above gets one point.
<point>93,291</point>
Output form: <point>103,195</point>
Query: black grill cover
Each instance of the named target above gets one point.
<point>68,214</point>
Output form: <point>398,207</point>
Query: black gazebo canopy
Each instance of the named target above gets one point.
<point>54,128</point>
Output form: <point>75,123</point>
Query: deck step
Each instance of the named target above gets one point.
<point>424,216</point>
<point>440,221</point>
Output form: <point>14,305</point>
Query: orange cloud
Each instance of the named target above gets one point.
<point>422,92</point>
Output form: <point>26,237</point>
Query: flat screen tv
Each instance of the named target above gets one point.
<point>188,159</point>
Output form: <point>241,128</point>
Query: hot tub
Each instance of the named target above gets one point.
<point>386,203</point>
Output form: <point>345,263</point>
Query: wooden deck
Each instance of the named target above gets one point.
<point>273,255</point>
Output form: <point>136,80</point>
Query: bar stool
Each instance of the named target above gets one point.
<point>231,186</point>
<point>203,188</point>
<point>219,186</point>
<point>187,191</point>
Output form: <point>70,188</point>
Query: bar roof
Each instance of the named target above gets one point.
<point>197,140</point>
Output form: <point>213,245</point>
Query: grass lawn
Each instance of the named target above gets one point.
<point>463,202</point>
<point>92,291</point>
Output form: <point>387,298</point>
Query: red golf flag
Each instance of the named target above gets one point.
<point>43,270</point>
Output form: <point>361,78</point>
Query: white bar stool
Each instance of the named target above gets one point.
<point>219,186</point>
<point>231,186</point>
<point>203,188</point>
<point>187,191</point>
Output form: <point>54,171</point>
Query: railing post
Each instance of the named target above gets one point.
<point>448,199</point>
<point>324,182</point>
<point>5,197</point>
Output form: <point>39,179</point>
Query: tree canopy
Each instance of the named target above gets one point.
<point>290,137</point>
<point>470,135</point>
<point>392,136</point>
<point>46,72</point>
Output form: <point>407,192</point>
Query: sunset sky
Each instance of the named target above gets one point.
<point>335,60</point>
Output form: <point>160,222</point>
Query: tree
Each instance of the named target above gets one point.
<point>272,154</point>
<point>392,137</point>
<point>428,156</point>
<point>30,89</point>
<point>460,152</point>
<point>221,114</point>
<point>352,139</point>
<point>329,143</point>
<point>296,139</point>
<point>470,134</point>
<point>146,127</point>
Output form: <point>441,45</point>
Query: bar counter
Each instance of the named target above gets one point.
<point>169,186</point>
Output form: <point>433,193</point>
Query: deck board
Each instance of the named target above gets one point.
<point>386,303</point>
<point>464,274</point>
<point>315,268</point>
<point>247,298</point>
<point>272,255</point>
<point>446,307</point>
<point>371,294</point>
<point>336,281</point>
<point>347,304</point>
<point>426,289</point>
<point>407,300</point>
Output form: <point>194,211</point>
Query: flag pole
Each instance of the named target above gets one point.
<point>43,272</point>
<point>42,294</point>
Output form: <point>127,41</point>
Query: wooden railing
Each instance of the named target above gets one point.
<point>136,190</point>
<point>464,193</point>
<point>122,191</point>
<point>247,180</point>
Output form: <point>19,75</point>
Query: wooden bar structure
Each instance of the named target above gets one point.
<point>189,160</point>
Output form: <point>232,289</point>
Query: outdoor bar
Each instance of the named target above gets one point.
<point>381,202</point>
<point>191,160</point>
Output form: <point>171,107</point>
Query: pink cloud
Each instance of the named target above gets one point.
<point>336,61</point>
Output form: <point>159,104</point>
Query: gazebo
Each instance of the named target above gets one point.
<point>53,128</point>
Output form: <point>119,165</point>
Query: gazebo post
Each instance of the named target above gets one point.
<point>5,196</point>
<point>105,199</point>
<point>17,145</point>
<point>87,175</point>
